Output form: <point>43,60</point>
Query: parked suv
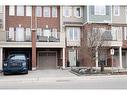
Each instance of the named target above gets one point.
<point>15,63</point>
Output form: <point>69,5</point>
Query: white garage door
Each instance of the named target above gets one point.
<point>47,60</point>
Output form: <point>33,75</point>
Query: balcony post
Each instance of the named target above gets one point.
<point>1,58</point>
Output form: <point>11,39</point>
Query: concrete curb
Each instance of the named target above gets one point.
<point>60,79</point>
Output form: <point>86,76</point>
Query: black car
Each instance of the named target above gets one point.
<point>15,63</point>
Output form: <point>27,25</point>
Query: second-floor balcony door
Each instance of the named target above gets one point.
<point>19,34</point>
<point>47,32</point>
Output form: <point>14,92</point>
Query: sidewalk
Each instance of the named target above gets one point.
<point>53,76</point>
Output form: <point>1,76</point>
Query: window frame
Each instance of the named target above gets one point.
<point>98,10</point>
<point>114,9</point>
<point>38,12</point>
<point>11,8</point>
<point>28,10</point>
<point>46,11</point>
<point>69,9</point>
<point>55,9</point>
<point>18,12</point>
<point>71,34</point>
<point>75,12</point>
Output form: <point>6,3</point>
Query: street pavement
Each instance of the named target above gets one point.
<point>62,79</point>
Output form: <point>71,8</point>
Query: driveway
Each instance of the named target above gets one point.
<point>44,75</point>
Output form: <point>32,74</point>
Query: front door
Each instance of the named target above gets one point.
<point>72,57</point>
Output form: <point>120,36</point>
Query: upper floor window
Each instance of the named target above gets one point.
<point>46,11</point>
<point>20,10</point>
<point>11,10</point>
<point>28,34</point>
<point>28,10</point>
<point>1,8</point>
<point>38,11</point>
<point>54,11</point>
<point>54,32</point>
<point>73,34</point>
<point>67,11</point>
<point>125,33</point>
<point>100,10</point>
<point>11,33</point>
<point>77,12</point>
<point>116,10</point>
<point>114,32</point>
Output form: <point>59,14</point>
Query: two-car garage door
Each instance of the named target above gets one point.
<point>47,60</point>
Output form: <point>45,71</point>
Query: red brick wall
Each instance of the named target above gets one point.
<point>25,21</point>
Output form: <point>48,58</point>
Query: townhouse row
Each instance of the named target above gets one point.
<point>52,36</point>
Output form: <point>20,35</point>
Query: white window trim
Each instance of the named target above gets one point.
<point>73,38</point>
<point>116,33</point>
<point>28,8</point>
<point>38,8</point>
<point>118,11</point>
<point>44,9</point>
<point>70,11</point>
<point>11,33</point>
<point>125,33</point>
<point>11,8</point>
<point>100,13</point>
<point>55,13</point>
<point>20,11</point>
<point>126,13</point>
<point>75,12</point>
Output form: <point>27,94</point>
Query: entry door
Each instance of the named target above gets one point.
<point>72,57</point>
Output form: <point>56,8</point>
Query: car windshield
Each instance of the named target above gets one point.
<point>17,57</point>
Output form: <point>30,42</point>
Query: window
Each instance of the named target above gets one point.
<point>77,12</point>
<point>116,10</point>
<point>100,10</point>
<point>114,32</point>
<point>73,34</point>
<point>125,33</point>
<point>28,34</point>
<point>39,32</point>
<point>20,10</point>
<point>28,11</point>
<point>54,11</point>
<point>54,32</point>
<point>38,11</point>
<point>1,8</point>
<point>46,11</point>
<point>11,10</point>
<point>67,11</point>
<point>11,33</point>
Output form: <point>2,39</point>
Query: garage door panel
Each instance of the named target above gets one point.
<point>47,60</point>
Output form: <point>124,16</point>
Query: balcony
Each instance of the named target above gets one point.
<point>112,38</point>
<point>23,39</point>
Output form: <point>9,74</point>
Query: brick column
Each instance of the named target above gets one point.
<point>33,21</point>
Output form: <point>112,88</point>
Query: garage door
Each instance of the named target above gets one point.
<point>47,60</point>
